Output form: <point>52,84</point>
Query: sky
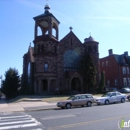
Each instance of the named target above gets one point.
<point>108,22</point>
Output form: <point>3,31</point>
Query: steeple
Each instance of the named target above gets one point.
<point>47,24</point>
<point>47,9</point>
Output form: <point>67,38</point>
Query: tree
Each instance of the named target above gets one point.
<point>11,83</point>
<point>88,72</point>
<point>102,83</point>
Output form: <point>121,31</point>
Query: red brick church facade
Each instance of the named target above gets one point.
<point>53,65</point>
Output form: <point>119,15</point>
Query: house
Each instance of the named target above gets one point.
<point>116,69</point>
<point>53,64</point>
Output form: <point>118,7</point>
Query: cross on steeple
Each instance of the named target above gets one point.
<point>70,28</point>
<point>47,1</point>
<point>90,34</point>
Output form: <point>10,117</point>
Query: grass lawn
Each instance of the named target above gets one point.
<point>51,98</point>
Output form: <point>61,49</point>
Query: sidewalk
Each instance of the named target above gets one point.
<point>27,105</point>
<point>31,104</point>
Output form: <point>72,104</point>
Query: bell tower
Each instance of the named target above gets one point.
<point>47,23</point>
<point>91,48</point>
<point>46,32</point>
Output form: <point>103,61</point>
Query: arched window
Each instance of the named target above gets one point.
<point>89,48</point>
<point>54,32</point>
<point>29,72</point>
<point>38,48</point>
<point>47,32</point>
<point>46,67</point>
<point>39,31</point>
<point>42,48</point>
<point>95,48</point>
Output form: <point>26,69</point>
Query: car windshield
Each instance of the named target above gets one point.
<point>126,88</point>
<point>71,97</point>
<point>106,95</point>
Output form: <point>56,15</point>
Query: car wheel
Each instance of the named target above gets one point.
<point>68,106</point>
<point>122,100</point>
<point>89,104</point>
<point>106,102</point>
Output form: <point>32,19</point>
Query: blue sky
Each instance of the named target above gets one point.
<point>108,21</point>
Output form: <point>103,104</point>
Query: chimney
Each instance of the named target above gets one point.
<point>110,52</point>
<point>126,53</point>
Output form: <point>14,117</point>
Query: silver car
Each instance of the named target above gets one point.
<point>77,100</point>
<point>111,97</point>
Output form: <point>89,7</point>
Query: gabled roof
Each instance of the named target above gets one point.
<point>70,34</point>
<point>122,59</point>
<point>46,14</point>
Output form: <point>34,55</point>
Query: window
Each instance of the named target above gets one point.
<point>124,81</point>
<point>108,83</point>
<point>89,48</point>
<point>107,63</point>
<point>77,98</point>
<point>116,82</point>
<point>45,67</point>
<point>83,97</point>
<point>128,70</point>
<point>113,94</point>
<point>89,96</point>
<point>123,70</point>
<point>102,64</point>
<point>118,93</point>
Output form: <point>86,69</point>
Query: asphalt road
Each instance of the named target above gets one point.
<point>103,117</point>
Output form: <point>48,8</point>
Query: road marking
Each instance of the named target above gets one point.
<point>57,117</point>
<point>85,123</point>
<point>13,117</point>
<point>11,122</point>
<point>16,122</point>
<point>27,118</point>
<point>37,129</point>
<point>17,126</point>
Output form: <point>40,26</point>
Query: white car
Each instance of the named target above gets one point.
<point>111,97</point>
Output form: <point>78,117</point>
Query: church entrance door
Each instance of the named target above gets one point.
<point>45,84</point>
<point>75,84</point>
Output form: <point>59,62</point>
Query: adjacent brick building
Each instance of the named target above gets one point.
<point>52,64</point>
<point>116,69</point>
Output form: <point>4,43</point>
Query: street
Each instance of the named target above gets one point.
<point>91,118</point>
<point>103,117</point>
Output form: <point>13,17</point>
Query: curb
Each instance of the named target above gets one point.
<point>40,109</point>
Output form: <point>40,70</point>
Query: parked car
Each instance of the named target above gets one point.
<point>128,97</point>
<point>109,89</point>
<point>124,90</point>
<point>77,100</point>
<point>111,97</point>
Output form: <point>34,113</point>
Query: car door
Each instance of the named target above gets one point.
<point>90,98</point>
<point>113,97</point>
<point>83,100</point>
<point>76,101</point>
<point>118,96</point>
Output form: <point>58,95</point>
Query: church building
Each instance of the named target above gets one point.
<point>53,64</point>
